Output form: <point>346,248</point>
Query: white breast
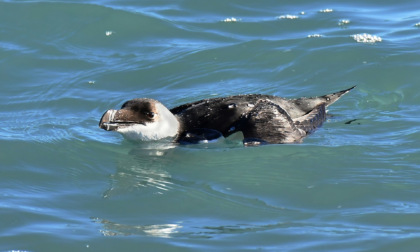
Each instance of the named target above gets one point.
<point>165,125</point>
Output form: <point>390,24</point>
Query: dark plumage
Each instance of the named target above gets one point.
<point>261,118</point>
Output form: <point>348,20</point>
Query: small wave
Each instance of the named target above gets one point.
<point>110,228</point>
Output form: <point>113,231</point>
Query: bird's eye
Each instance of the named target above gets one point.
<point>150,114</point>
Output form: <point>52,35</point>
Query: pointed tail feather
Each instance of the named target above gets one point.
<point>331,98</point>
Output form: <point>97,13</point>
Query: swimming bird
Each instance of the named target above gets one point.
<point>263,119</point>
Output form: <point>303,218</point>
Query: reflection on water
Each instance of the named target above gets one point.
<point>114,229</point>
<point>137,177</point>
<point>172,230</point>
<point>142,167</point>
<point>145,164</point>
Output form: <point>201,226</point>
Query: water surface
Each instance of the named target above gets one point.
<point>68,185</point>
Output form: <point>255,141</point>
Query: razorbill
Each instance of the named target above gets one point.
<point>263,119</point>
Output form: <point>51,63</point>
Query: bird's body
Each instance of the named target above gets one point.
<point>261,118</point>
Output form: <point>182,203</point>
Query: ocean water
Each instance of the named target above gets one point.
<point>66,185</point>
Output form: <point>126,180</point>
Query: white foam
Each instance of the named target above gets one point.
<point>366,38</point>
<point>288,17</point>
<point>343,22</point>
<point>231,20</point>
<point>326,10</point>
<point>315,36</point>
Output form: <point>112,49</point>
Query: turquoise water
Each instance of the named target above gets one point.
<point>67,185</point>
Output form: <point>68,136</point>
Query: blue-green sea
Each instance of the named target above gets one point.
<point>67,185</point>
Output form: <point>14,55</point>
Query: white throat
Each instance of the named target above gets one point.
<point>166,125</point>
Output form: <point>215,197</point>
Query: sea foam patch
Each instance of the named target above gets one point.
<point>326,10</point>
<point>315,36</point>
<point>366,38</point>
<point>231,20</point>
<point>287,17</point>
<point>343,22</point>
